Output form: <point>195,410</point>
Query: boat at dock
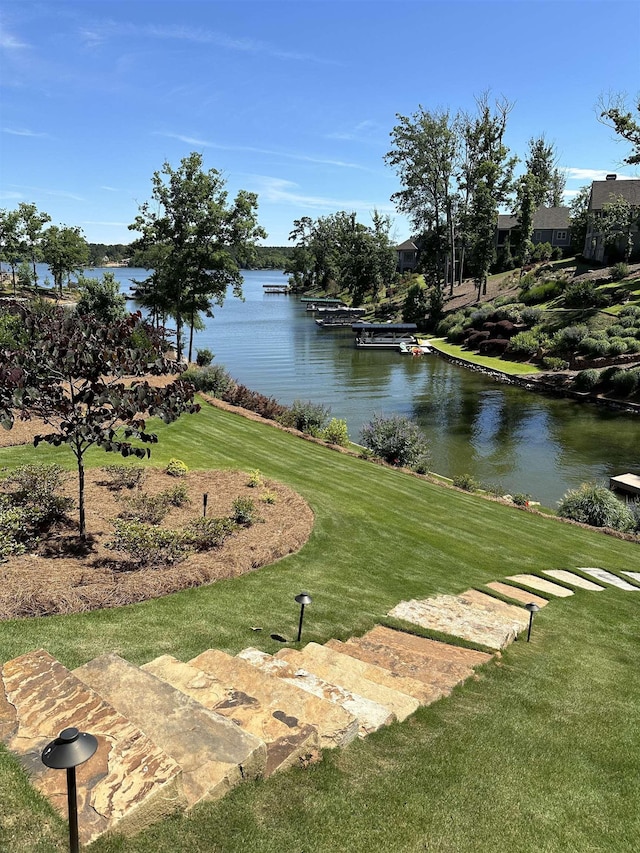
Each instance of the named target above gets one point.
<point>420,347</point>
<point>336,317</point>
<point>385,335</point>
<point>276,288</point>
<point>321,303</point>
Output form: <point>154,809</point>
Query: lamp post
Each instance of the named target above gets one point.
<point>303,599</point>
<point>532,608</point>
<point>66,752</point>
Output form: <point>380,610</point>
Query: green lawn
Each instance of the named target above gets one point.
<point>511,368</point>
<point>540,752</point>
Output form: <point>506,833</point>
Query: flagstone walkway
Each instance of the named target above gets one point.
<point>172,734</point>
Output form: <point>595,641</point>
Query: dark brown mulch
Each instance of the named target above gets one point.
<point>63,576</point>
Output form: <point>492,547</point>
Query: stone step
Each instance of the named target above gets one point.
<point>466,616</point>
<point>633,575</point>
<point>370,715</point>
<point>335,726</point>
<point>127,785</point>
<point>573,579</point>
<point>352,675</point>
<point>517,594</point>
<point>445,663</point>
<point>289,742</point>
<point>214,753</point>
<point>437,665</point>
<point>541,585</point>
<point>513,613</point>
<point>608,577</point>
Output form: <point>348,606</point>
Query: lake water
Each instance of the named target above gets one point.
<point>499,434</point>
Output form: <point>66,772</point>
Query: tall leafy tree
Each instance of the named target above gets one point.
<point>67,369</point>
<point>490,176</point>
<point>426,156</point>
<point>11,241</point>
<point>615,113</point>
<point>579,218</point>
<point>65,250</point>
<point>32,221</point>
<point>203,239</point>
<point>618,222</point>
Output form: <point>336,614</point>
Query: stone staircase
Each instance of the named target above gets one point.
<point>172,734</point>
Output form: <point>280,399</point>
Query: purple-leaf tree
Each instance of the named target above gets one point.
<point>71,373</point>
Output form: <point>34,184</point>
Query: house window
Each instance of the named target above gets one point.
<point>408,256</point>
<point>561,235</point>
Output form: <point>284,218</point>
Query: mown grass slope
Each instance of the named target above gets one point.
<point>541,752</point>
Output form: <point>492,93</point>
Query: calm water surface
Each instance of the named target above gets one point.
<point>501,435</point>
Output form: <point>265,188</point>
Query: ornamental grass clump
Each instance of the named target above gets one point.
<point>397,440</point>
<point>597,506</point>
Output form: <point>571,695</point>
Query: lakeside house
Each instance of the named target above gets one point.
<point>603,192</point>
<point>550,225</point>
<point>407,257</point>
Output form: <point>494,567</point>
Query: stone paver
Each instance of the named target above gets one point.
<point>215,756</point>
<point>128,784</point>
<point>573,579</point>
<point>289,742</point>
<point>347,673</point>
<point>541,585</point>
<point>463,617</point>
<point>370,715</point>
<point>633,575</point>
<point>335,726</point>
<point>517,593</point>
<point>608,577</point>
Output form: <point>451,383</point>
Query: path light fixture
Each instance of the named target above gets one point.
<point>303,599</point>
<point>66,752</point>
<point>532,608</point>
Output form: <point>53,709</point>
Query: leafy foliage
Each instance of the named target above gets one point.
<point>176,468</point>
<point>148,544</point>
<point>101,298</point>
<point>336,432</point>
<point>211,379</point>
<point>150,509</point>
<point>124,476</point>
<point>204,357</point>
<point>306,416</point>
<point>597,506</point>
<point>244,511</point>
<point>397,440</point>
<point>466,482</point>
<point>202,534</point>
<point>69,373</point>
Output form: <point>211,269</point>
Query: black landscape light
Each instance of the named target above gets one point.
<point>205,498</point>
<point>66,752</point>
<point>303,599</point>
<point>532,608</point>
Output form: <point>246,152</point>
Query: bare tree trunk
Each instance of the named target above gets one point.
<point>191,336</point>
<point>461,266</point>
<point>83,532</point>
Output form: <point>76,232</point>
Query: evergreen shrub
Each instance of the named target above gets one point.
<point>587,380</point>
<point>597,506</point>
<point>397,440</point>
<point>176,468</point>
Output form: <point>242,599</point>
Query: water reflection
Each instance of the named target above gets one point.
<point>496,433</point>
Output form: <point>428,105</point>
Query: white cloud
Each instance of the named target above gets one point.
<point>574,174</point>
<point>110,189</point>
<point>56,193</point>
<point>100,222</point>
<point>7,194</point>
<point>10,42</point>
<point>23,132</point>
<point>280,191</point>
<point>203,143</point>
<point>365,131</point>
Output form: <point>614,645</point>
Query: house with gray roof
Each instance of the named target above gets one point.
<point>407,257</point>
<point>550,225</point>
<point>603,192</point>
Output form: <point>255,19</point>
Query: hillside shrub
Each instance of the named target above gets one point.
<point>203,534</point>
<point>123,476</point>
<point>619,271</point>
<point>597,506</point>
<point>634,509</point>
<point>36,488</point>
<point>143,507</point>
<point>617,346</point>
<point>631,311</point>
<point>397,440</point>
<point>204,357</point>
<point>466,482</point>
<point>541,292</point>
<point>176,468</point>
<point>594,347</point>
<point>521,499</point>
<point>175,496</point>
<point>587,380</point>
<point>498,346</point>
<point>531,316</point>
<point>542,252</point>
<point>253,401</point>
<point>255,479</point>
<point>565,341</point>
<point>336,432</point>
<point>582,294</point>
<point>212,379</point>
<point>13,541</point>
<point>615,330</point>
<point>550,362</point>
<point>625,382</point>
<point>244,511</point>
<point>306,416</point>
<point>456,334</point>
<point>147,544</point>
<point>527,343</point>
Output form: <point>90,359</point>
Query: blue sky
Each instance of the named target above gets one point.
<point>292,100</point>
